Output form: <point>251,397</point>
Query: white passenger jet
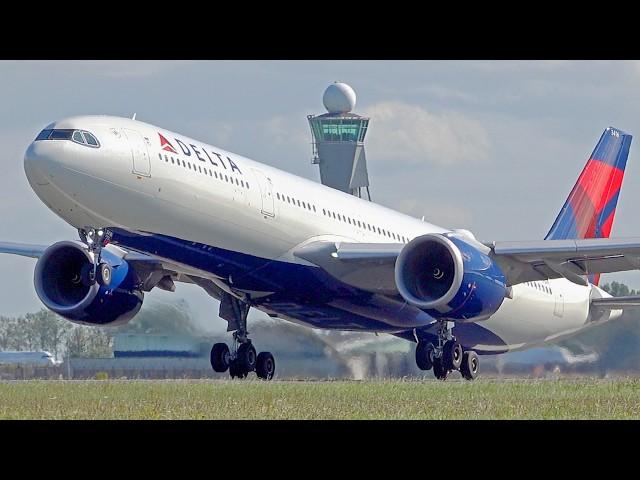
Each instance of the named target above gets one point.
<point>153,207</point>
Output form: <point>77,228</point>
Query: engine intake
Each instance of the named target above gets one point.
<point>60,284</point>
<point>449,278</point>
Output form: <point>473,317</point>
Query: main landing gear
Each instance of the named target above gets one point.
<point>242,359</point>
<point>447,356</point>
<point>95,239</point>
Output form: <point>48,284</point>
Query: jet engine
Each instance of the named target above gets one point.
<point>449,278</point>
<point>64,286</point>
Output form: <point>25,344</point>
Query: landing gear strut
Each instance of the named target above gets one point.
<point>242,358</point>
<point>447,356</point>
<point>96,239</point>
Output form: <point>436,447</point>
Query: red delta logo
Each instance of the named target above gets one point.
<point>165,144</point>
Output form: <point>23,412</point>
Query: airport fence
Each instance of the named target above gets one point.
<point>358,367</point>
<point>30,372</point>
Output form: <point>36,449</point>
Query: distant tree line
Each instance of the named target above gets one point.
<point>617,343</point>
<point>616,289</point>
<point>44,330</point>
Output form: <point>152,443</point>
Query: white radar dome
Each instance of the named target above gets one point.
<point>339,98</point>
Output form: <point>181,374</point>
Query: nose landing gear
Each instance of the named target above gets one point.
<point>96,239</point>
<point>447,356</point>
<point>243,358</point>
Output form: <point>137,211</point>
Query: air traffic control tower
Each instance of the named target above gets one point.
<point>338,142</point>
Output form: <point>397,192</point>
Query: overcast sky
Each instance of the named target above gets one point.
<point>494,147</point>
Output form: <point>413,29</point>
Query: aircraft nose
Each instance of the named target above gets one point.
<point>33,163</point>
<point>40,161</point>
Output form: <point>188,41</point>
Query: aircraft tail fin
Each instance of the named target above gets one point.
<point>590,208</point>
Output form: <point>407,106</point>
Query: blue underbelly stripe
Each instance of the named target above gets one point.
<point>299,292</point>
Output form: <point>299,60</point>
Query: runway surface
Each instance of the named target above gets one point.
<point>576,398</point>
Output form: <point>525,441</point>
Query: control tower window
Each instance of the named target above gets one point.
<point>339,129</point>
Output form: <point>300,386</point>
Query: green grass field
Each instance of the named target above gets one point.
<point>202,399</point>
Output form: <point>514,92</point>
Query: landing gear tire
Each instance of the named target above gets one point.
<point>424,355</point>
<point>220,357</point>
<point>103,274</point>
<point>265,366</point>
<point>439,371</point>
<point>247,357</point>
<point>452,355</point>
<point>244,358</point>
<point>470,365</point>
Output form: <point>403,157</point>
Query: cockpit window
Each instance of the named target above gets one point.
<point>61,135</point>
<point>78,136</point>
<point>44,135</point>
<point>91,140</point>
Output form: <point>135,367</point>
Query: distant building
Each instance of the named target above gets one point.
<point>338,142</point>
<point>37,359</point>
<point>143,345</point>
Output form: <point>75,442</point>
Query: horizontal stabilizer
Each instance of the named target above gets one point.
<point>525,261</point>
<point>617,303</point>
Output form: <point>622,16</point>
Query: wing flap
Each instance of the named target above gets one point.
<point>367,266</point>
<point>384,252</point>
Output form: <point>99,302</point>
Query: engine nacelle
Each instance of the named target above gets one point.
<point>58,281</point>
<point>449,278</point>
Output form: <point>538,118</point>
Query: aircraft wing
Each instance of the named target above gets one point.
<point>370,266</point>
<point>23,249</point>
<point>154,272</point>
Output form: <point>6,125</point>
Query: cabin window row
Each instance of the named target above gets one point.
<point>364,225</point>
<point>204,170</point>
<point>298,202</point>
<point>342,218</point>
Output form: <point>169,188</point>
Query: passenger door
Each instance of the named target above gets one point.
<point>139,153</point>
<point>266,191</point>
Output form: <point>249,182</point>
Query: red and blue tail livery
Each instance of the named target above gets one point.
<point>591,206</point>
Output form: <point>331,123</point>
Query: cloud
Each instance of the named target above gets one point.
<point>439,211</point>
<point>134,69</point>
<point>504,66</point>
<point>125,69</point>
<point>289,130</point>
<point>409,134</point>
<point>446,93</point>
